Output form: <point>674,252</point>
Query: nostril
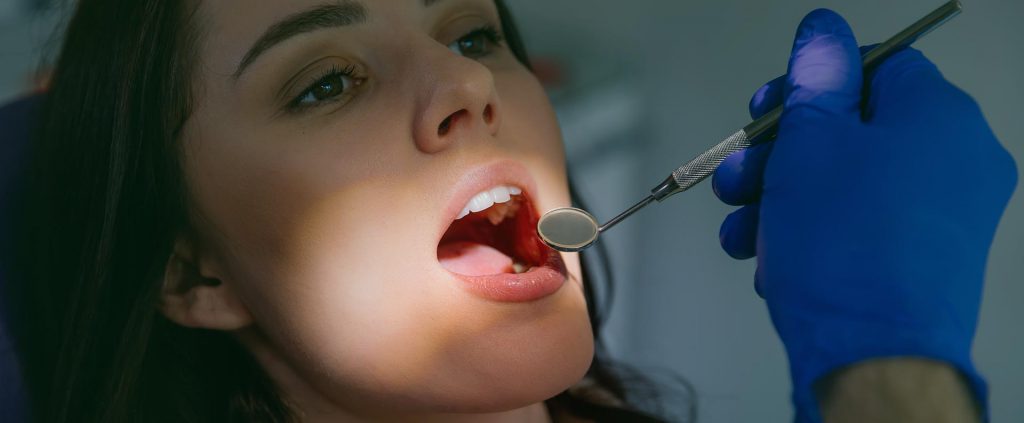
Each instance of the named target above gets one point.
<point>442,130</point>
<point>488,114</point>
<point>447,123</point>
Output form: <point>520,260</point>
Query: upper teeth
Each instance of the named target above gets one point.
<point>487,198</point>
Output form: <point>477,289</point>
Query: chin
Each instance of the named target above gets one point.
<point>501,357</point>
<point>521,366</point>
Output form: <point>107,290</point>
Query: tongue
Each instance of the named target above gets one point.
<point>472,259</point>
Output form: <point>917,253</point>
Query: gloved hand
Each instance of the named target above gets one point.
<point>871,214</point>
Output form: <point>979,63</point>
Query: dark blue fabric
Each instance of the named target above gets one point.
<point>872,214</point>
<point>15,126</point>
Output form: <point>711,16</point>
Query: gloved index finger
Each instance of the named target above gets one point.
<point>768,97</point>
<point>771,94</point>
<point>825,73</point>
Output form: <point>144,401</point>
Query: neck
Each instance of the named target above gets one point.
<point>312,407</point>
<point>534,413</point>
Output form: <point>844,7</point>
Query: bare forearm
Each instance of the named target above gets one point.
<point>903,390</point>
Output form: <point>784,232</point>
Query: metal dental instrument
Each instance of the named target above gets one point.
<point>570,229</point>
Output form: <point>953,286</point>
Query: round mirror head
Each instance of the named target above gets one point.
<point>567,229</point>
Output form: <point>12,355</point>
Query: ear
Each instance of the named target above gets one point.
<point>195,295</point>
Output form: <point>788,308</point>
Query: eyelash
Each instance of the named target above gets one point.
<point>490,32</point>
<point>295,104</point>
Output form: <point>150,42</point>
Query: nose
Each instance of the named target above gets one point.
<point>458,101</point>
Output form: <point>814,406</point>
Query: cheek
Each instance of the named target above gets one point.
<point>530,125</point>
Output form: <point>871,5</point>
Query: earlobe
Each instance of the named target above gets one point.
<point>193,299</point>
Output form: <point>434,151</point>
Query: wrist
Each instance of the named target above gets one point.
<point>900,389</point>
<point>817,346</point>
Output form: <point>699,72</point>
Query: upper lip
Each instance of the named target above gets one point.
<point>481,178</point>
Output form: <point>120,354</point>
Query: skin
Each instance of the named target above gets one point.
<point>897,390</point>
<point>316,232</point>
<point>296,217</point>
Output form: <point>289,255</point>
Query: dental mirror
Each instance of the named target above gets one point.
<point>570,229</point>
<point>567,229</point>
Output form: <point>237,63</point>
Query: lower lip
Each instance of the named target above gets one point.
<point>534,284</point>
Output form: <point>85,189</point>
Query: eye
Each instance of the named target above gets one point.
<point>331,86</point>
<point>477,43</point>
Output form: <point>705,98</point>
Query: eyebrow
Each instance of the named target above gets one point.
<point>344,13</point>
<point>320,17</point>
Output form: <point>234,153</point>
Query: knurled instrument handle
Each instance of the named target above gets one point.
<point>702,166</point>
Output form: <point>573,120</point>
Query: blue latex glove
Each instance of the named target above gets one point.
<point>872,213</point>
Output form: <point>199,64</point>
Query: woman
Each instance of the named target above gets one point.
<point>323,212</point>
<point>306,194</point>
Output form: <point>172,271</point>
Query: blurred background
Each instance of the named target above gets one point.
<point>642,86</point>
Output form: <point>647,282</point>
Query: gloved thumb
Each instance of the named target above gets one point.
<point>825,74</point>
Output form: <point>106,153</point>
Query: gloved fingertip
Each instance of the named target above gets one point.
<point>738,234</point>
<point>768,97</point>
<point>821,22</point>
<point>715,178</point>
<point>825,66</point>
<point>737,180</point>
<point>728,179</point>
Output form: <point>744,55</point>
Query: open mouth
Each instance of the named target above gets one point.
<point>495,234</point>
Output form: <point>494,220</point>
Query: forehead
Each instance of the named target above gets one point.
<point>231,27</point>
<point>237,14</point>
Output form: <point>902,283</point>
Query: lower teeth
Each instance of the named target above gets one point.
<point>519,267</point>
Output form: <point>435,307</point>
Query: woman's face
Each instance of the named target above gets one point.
<point>329,154</point>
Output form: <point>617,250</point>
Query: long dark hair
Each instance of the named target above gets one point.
<point>104,200</point>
